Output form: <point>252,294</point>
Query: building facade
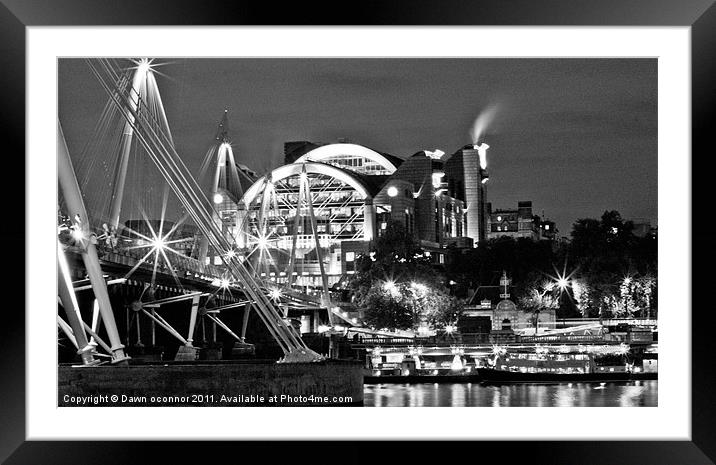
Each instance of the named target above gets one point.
<point>519,223</point>
<point>305,223</point>
<point>466,178</point>
<point>493,304</point>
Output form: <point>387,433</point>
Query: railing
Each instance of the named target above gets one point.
<point>446,340</point>
<point>568,322</point>
<point>396,340</point>
<point>609,337</point>
<point>562,338</point>
<point>181,265</point>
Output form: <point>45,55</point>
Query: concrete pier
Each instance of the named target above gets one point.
<point>213,384</point>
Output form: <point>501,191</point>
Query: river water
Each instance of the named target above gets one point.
<point>625,394</point>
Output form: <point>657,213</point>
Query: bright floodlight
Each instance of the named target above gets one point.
<point>144,66</point>
<point>449,329</point>
<point>218,198</point>
<point>158,243</point>
<point>392,289</point>
<point>627,280</point>
<point>419,287</point>
<point>497,350</point>
<point>482,152</point>
<point>437,179</point>
<point>323,328</point>
<point>456,364</point>
<point>275,294</point>
<point>262,242</point>
<point>77,234</point>
<point>392,191</point>
<point>225,283</point>
<point>230,253</point>
<point>562,283</point>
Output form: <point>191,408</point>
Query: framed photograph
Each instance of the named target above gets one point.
<point>463,206</point>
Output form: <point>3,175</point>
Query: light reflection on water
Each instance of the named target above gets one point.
<point>626,394</point>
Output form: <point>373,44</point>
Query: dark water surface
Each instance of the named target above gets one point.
<point>626,394</point>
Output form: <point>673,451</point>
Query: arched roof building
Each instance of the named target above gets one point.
<point>314,215</point>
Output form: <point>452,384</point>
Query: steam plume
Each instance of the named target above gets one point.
<point>482,122</point>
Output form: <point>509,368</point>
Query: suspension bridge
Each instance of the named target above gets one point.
<point>122,282</point>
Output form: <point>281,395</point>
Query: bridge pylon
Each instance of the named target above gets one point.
<point>86,241</point>
<point>160,149</point>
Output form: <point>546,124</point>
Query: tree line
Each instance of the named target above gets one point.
<point>603,270</point>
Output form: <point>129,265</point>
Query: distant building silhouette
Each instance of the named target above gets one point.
<point>519,223</point>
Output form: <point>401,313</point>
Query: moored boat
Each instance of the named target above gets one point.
<point>545,367</point>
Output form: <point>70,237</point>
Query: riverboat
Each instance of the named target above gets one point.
<point>543,367</point>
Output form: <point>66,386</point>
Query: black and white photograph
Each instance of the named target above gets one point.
<point>367,232</point>
<point>494,211</point>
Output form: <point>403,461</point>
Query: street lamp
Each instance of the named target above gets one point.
<point>563,283</point>
<point>419,287</point>
<point>275,294</point>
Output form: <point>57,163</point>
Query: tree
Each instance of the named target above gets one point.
<point>616,268</point>
<point>582,297</point>
<point>396,287</point>
<point>406,305</point>
<point>383,310</point>
<point>542,297</point>
<point>394,257</point>
<point>444,311</point>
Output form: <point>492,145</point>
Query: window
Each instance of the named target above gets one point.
<point>350,256</point>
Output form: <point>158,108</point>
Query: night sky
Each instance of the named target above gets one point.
<point>575,136</point>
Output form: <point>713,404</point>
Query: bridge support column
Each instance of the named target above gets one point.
<point>203,252</point>
<point>76,208</point>
<point>326,295</point>
<point>154,331</point>
<point>69,302</point>
<point>368,220</point>
<point>127,134</point>
<point>192,319</point>
<point>242,226</point>
<point>247,311</point>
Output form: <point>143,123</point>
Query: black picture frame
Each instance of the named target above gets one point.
<point>17,15</point>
